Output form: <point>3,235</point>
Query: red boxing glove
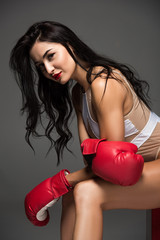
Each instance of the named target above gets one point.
<point>114,161</point>
<point>45,195</point>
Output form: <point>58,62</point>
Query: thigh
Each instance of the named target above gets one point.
<point>145,194</point>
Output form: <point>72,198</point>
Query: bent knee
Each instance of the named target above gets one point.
<point>87,192</point>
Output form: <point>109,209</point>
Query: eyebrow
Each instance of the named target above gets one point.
<point>45,54</point>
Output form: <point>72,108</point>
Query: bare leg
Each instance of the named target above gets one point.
<point>68,217</point>
<point>95,195</point>
<point>68,204</point>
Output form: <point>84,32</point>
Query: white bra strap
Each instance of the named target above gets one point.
<point>147,130</point>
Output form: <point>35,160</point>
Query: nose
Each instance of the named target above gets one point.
<point>49,68</point>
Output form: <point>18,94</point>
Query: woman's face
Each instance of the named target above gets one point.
<point>53,60</point>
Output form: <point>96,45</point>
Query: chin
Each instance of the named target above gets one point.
<point>63,81</point>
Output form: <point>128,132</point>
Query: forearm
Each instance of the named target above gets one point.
<point>80,175</point>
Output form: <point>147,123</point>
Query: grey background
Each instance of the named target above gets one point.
<point>128,31</point>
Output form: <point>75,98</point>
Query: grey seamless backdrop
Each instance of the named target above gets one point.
<point>128,31</point>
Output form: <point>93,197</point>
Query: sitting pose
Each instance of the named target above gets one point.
<point>118,132</point>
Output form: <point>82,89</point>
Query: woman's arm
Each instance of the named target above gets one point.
<point>36,203</point>
<point>113,160</point>
<point>109,107</point>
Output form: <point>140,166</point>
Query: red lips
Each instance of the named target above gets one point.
<point>57,76</point>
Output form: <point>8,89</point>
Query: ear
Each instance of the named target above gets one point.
<point>71,51</point>
<point>71,48</point>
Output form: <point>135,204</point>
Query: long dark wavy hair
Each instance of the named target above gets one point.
<point>41,95</point>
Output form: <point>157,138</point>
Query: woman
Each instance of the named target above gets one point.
<point>110,103</point>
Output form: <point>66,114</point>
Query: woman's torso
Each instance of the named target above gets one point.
<point>142,127</point>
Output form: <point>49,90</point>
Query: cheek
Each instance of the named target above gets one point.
<point>70,64</point>
<point>66,61</point>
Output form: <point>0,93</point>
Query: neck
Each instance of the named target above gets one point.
<point>80,76</point>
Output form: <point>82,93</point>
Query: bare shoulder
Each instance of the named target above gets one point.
<point>111,89</point>
<point>76,96</point>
